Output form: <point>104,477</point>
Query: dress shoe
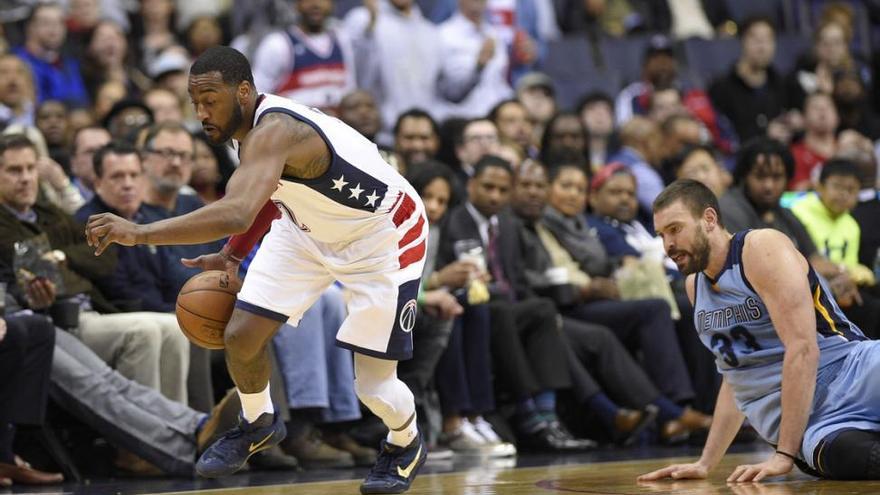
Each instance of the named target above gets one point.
<point>273,459</point>
<point>679,429</point>
<point>312,453</point>
<point>363,456</point>
<point>695,420</point>
<point>630,423</point>
<point>27,475</point>
<point>550,437</point>
<point>133,465</point>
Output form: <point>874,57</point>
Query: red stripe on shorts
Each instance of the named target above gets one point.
<point>412,255</point>
<point>407,207</point>
<point>413,233</point>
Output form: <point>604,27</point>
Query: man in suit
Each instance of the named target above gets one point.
<point>526,338</point>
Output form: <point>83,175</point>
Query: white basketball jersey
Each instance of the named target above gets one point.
<point>352,198</point>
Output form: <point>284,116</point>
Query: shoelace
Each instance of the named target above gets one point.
<point>383,463</point>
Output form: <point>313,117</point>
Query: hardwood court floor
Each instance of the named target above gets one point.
<point>600,478</point>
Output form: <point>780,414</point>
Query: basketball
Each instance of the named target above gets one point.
<point>204,306</point>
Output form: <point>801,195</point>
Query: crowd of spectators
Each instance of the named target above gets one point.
<point>549,317</point>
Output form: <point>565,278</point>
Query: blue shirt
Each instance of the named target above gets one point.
<point>56,81</point>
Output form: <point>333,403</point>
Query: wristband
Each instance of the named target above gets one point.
<point>786,454</point>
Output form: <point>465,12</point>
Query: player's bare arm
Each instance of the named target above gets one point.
<point>278,140</point>
<point>726,422</point>
<point>779,275</point>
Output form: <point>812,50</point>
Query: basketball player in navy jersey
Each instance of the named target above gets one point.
<point>346,216</point>
<point>804,376</point>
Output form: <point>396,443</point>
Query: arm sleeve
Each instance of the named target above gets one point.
<point>240,245</point>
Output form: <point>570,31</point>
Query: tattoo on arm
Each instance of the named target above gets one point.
<point>301,134</point>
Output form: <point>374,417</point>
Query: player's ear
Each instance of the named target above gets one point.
<point>243,92</point>
<point>710,216</point>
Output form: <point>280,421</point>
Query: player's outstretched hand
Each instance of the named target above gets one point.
<point>214,261</point>
<point>774,466</point>
<point>106,228</point>
<point>692,471</point>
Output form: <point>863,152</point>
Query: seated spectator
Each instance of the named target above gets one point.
<point>26,345</point>
<point>751,94</point>
<point>164,104</point>
<point>360,110</point>
<point>107,59</point>
<point>416,139</point>
<point>512,121</point>
<point>168,160</point>
<point>463,373</point>
<point>859,149</point>
<point>594,350</point>
<point>763,168</point>
<point>16,91</point>
<point>479,137</point>
<point>109,93</point>
<point>84,143</point>
<point>56,76</point>
<point>126,118</point>
<point>475,62</point>
<point>55,186</point>
<point>525,339</point>
<point>638,323</point>
<point>830,55</point>
<point>146,347</point>
<point>641,152</point>
<point>680,130</point>
<point>52,122</point>
<point>819,141</point>
<point>211,169</point>
<point>564,135</point>
<point>853,105</point>
<point>701,164</point>
<point>660,70</point>
<point>536,92</point>
<point>664,102</point>
<point>596,111</point>
<point>826,216</point>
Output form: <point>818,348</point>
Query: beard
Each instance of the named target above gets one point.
<point>698,259</point>
<point>234,123</point>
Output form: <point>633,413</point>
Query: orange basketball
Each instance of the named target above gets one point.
<point>204,306</point>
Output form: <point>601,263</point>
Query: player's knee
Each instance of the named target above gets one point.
<point>242,345</point>
<point>851,455</point>
<point>370,394</point>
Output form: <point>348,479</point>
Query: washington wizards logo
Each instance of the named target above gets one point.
<point>407,318</point>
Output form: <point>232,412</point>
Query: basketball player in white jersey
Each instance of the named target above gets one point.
<point>346,216</point>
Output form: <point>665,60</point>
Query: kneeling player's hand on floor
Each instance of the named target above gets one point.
<point>694,471</point>
<point>774,466</point>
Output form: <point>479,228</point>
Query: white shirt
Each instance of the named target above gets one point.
<point>462,40</point>
<point>398,61</point>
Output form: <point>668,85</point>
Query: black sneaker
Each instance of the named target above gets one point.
<point>230,453</point>
<point>396,467</point>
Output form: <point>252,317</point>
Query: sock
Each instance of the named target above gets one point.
<point>545,403</point>
<point>527,418</point>
<point>668,410</point>
<point>404,435</point>
<point>603,407</point>
<point>253,405</point>
<point>7,434</point>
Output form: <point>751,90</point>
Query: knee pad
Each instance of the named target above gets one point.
<point>371,396</point>
<point>851,455</point>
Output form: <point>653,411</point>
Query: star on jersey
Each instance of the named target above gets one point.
<point>371,199</point>
<point>339,183</point>
<point>355,191</point>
